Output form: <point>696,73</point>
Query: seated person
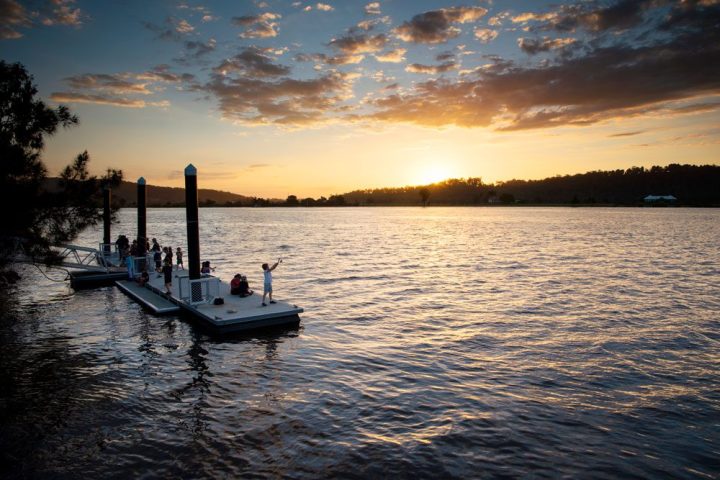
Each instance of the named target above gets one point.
<point>235,285</point>
<point>244,287</point>
<point>144,278</point>
<point>206,268</point>
<point>239,286</point>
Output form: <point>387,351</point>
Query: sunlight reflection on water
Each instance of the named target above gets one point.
<point>469,342</point>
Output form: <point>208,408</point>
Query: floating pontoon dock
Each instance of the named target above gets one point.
<point>197,298</point>
<point>204,297</point>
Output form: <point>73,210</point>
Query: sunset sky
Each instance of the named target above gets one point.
<point>273,98</point>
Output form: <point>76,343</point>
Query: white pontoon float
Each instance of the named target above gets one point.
<point>234,314</point>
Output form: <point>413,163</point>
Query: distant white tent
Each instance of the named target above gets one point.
<point>660,198</point>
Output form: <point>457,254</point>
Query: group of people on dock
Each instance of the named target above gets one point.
<point>164,265</point>
<point>132,250</point>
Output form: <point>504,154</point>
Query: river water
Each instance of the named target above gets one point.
<point>435,343</point>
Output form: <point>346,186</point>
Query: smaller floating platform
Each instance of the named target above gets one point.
<point>91,279</point>
<point>235,314</point>
<point>157,304</point>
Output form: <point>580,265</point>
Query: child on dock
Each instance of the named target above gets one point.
<point>206,268</point>
<point>267,284</point>
<point>179,259</point>
<point>144,277</point>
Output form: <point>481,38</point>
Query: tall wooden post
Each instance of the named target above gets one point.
<point>107,195</point>
<point>141,217</point>
<point>193,226</point>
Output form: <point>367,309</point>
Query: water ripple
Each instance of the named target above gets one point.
<point>436,343</point>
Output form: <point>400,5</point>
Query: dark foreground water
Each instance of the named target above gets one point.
<point>436,343</point>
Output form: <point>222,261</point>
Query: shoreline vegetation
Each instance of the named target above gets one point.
<point>690,185</point>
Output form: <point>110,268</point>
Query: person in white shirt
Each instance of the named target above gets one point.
<point>267,283</point>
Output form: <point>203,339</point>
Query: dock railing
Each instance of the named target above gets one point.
<point>108,255</point>
<point>201,290</point>
<point>136,265</point>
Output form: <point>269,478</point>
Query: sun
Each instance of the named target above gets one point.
<point>432,174</point>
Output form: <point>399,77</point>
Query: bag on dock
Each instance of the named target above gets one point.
<point>219,301</point>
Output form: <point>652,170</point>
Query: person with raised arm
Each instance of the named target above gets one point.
<point>267,283</point>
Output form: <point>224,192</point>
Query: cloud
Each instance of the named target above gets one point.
<point>436,26</point>
<point>63,13</point>
<point>120,89</point>
<point>199,49</point>
<point>373,8</point>
<point>354,44</point>
<point>252,62</point>
<point>12,17</point>
<point>172,29</point>
<point>485,35</point>
<point>324,7</point>
<point>620,15</point>
<point>627,134</point>
<point>116,84</point>
<point>393,56</point>
<point>674,75</point>
<point>258,26</point>
<point>206,14</point>
<point>367,25</point>
<point>431,69</point>
<point>342,59</point>
<point>183,27</point>
<point>533,46</point>
<point>161,73</point>
<point>105,99</point>
<point>283,101</point>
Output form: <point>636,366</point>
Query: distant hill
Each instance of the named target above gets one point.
<point>125,195</point>
<point>175,196</point>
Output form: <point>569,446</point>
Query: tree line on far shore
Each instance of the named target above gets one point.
<point>693,185</point>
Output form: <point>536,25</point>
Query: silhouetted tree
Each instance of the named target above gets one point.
<point>424,195</point>
<point>507,198</point>
<point>337,200</point>
<point>292,201</point>
<point>32,218</point>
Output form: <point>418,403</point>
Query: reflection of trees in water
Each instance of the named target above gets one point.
<point>46,386</point>
<point>198,386</point>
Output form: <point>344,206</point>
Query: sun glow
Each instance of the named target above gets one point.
<point>432,174</point>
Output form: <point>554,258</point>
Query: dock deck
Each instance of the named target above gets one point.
<point>234,315</point>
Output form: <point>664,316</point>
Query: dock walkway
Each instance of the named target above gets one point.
<point>234,315</point>
<point>157,304</point>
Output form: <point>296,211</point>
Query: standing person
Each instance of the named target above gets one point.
<point>167,271</point>
<point>179,258</point>
<point>267,283</point>
<point>157,257</point>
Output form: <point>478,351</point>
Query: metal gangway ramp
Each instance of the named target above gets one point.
<point>105,259</point>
